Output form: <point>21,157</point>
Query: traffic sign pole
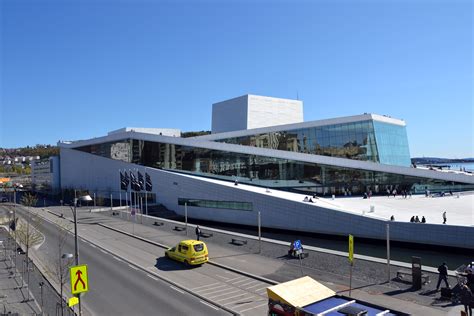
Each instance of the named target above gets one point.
<point>351,260</point>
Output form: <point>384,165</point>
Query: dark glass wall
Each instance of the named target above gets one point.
<point>257,170</point>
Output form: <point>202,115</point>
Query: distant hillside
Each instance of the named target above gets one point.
<point>44,151</point>
<point>435,160</point>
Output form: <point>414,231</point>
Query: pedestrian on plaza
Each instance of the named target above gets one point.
<point>392,218</point>
<point>236,182</point>
<point>394,192</point>
<point>470,279</point>
<point>412,219</point>
<point>417,220</point>
<point>467,299</point>
<point>370,193</point>
<point>443,275</point>
<point>198,232</point>
<point>423,219</point>
<point>305,199</point>
<point>444,217</point>
<point>388,193</point>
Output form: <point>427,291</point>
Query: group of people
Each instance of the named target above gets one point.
<point>310,200</point>
<point>467,288</point>
<point>394,192</point>
<point>416,219</point>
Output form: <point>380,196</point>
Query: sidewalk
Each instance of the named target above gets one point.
<point>272,263</point>
<point>13,296</point>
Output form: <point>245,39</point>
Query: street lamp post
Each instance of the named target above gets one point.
<point>76,249</point>
<point>61,278</point>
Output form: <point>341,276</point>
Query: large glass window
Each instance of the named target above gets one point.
<point>348,140</point>
<point>258,170</point>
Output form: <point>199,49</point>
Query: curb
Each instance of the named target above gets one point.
<point>393,263</point>
<point>220,265</point>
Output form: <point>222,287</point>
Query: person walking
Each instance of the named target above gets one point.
<point>198,232</point>
<point>443,275</point>
<point>444,217</point>
<point>423,220</point>
<point>467,299</point>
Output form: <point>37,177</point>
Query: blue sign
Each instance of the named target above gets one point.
<point>297,244</point>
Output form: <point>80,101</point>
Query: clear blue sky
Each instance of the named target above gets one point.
<point>77,69</point>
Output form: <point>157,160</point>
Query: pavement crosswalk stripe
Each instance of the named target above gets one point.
<point>239,277</point>
<point>242,294</point>
<point>215,291</point>
<point>243,298</point>
<point>203,286</point>
<point>239,281</point>
<point>255,285</point>
<point>244,284</point>
<point>216,296</point>
<point>212,288</point>
<point>258,306</point>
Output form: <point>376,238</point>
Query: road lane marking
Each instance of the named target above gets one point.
<point>152,277</point>
<point>203,286</point>
<point>258,306</point>
<point>222,277</point>
<point>176,289</point>
<point>133,267</point>
<point>210,305</point>
<point>214,289</point>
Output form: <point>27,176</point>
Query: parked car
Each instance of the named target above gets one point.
<point>3,199</point>
<point>190,252</point>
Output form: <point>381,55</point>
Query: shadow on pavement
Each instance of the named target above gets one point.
<point>165,264</point>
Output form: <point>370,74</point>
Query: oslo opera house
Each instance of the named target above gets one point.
<point>262,157</point>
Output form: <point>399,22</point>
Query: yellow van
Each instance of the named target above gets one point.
<point>191,252</point>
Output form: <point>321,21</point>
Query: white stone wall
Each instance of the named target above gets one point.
<point>253,111</point>
<point>267,111</point>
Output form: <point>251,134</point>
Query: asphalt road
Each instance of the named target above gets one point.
<point>116,288</point>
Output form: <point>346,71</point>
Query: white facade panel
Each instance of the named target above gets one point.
<point>230,115</point>
<point>267,111</point>
<point>253,111</point>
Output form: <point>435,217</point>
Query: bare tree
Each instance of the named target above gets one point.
<point>60,271</point>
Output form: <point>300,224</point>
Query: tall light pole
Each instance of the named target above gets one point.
<point>61,278</point>
<point>76,249</point>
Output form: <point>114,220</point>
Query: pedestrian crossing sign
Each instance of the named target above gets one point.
<point>79,281</point>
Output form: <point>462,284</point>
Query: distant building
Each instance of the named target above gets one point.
<point>45,174</point>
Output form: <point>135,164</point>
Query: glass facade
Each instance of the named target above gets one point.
<point>230,205</point>
<point>365,140</point>
<point>257,170</point>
